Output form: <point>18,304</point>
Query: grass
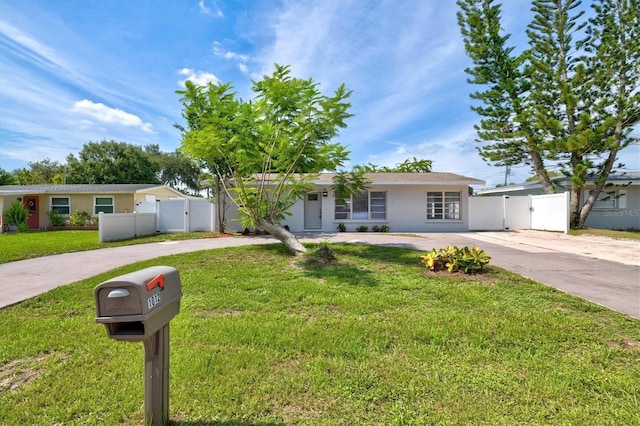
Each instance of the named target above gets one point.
<point>372,338</point>
<point>28,245</point>
<point>631,234</point>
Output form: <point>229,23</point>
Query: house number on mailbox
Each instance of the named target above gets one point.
<point>153,300</point>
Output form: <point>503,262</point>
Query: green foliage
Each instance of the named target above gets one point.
<point>79,218</point>
<point>109,162</point>
<point>7,178</point>
<point>342,227</point>
<point>41,172</point>
<point>17,215</point>
<point>347,183</point>
<point>413,165</point>
<point>565,101</point>
<point>362,228</point>
<point>454,259</point>
<point>385,228</point>
<point>55,218</point>
<point>270,147</point>
<point>324,253</point>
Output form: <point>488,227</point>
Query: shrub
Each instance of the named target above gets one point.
<point>55,218</point>
<point>17,215</point>
<point>384,228</point>
<point>342,227</point>
<point>375,228</point>
<point>79,218</point>
<point>325,253</point>
<point>362,228</point>
<point>454,259</point>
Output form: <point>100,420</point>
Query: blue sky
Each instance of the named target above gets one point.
<point>87,70</point>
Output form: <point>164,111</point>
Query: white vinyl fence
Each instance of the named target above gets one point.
<point>548,212</point>
<point>179,215</point>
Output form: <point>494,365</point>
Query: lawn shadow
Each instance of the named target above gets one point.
<point>352,272</point>
<point>221,423</point>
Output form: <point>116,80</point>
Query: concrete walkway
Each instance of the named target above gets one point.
<point>602,270</point>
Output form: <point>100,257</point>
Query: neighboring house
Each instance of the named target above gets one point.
<point>405,202</point>
<point>618,205</point>
<point>93,199</point>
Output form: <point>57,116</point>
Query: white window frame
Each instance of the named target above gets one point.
<point>58,207</point>
<point>444,206</point>
<point>376,207</point>
<point>96,205</point>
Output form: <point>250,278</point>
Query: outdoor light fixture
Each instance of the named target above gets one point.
<point>325,193</point>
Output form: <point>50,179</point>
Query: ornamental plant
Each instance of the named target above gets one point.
<point>454,259</point>
<point>17,215</point>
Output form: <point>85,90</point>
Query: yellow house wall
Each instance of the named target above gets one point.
<point>161,193</point>
<point>123,203</point>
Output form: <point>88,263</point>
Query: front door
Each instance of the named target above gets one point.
<point>312,211</point>
<point>31,203</point>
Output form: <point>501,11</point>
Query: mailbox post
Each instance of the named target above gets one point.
<point>137,307</point>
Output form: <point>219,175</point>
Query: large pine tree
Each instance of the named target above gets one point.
<point>569,101</point>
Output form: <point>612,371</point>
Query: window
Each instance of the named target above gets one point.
<point>103,204</point>
<point>60,205</point>
<point>363,206</point>
<point>443,205</point>
<point>606,200</point>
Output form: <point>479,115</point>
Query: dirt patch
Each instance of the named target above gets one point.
<point>19,372</point>
<point>625,342</point>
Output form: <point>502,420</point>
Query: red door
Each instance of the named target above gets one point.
<point>31,204</point>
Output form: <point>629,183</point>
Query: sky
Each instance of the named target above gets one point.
<point>79,71</point>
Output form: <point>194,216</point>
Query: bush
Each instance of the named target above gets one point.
<point>362,228</point>
<point>384,228</point>
<point>17,215</point>
<point>55,218</point>
<point>342,227</point>
<point>325,253</point>
<point>79,218</point>
<point>454,259</point>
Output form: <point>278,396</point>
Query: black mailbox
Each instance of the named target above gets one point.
<point>134,306</point>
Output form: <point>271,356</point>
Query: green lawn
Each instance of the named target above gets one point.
<point>266,339</point>
<point>27,245</point>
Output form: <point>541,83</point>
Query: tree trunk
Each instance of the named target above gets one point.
<point>541,172</point>
<point>286,237</point>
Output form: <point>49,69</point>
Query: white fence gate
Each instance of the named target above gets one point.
<point>185,215</point>
<point>548,212</point>
<point>176,215</point>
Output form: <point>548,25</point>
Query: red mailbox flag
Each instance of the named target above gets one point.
<point>158,280</point>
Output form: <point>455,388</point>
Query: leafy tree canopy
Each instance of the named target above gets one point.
<point>266,151</point>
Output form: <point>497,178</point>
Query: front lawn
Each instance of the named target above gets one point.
<point>263,338</point>
<point>26,245</point>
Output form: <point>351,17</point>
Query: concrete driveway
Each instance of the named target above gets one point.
<point>602,270</point>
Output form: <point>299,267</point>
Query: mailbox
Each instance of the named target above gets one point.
<point>134,306</point>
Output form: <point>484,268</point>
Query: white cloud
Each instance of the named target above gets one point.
<point>214,10</point>
<point>243,68</point>
<point>200,78</point>
<point>106,114</point>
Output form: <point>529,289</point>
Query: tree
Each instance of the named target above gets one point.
<point>565,102</point>
<point>7,178</point>
<point>40,172</point>
<point>108,162</point>
<point>271,146</point>
<point>174,169</point>
<point>414,165</point>
<point>211,107</point>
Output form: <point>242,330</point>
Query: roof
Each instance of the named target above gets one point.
<point>405,179</point>
<point>632,178</point>
<point>76,189</point>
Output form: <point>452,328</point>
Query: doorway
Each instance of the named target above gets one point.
<point>31,203</point>
<point>313,211</point>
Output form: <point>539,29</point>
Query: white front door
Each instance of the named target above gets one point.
<point>313,211</point>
